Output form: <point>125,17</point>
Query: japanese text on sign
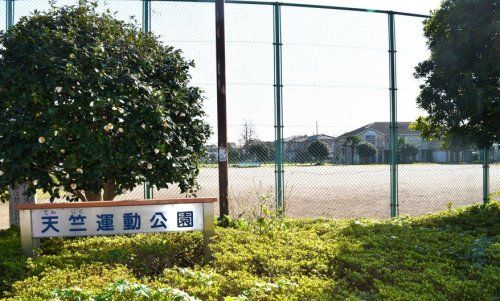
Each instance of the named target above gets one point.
<point>66,222</point>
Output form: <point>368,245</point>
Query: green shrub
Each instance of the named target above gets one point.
<point>12,261</point>
<point>208,284</point>
<point>453,255</point>
<point>90,282</point>
<point>144,254</point>
<point>481,218</point>
<point>110,105</point>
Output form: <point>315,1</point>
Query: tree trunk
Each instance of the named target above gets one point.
<point>106,194</point>
<point>92,196</point>
<point>17,196</point>
<point>109,192</point>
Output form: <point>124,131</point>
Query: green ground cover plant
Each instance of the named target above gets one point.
<point>453,255</point>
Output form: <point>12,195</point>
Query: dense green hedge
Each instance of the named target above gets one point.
<point>454,255</point>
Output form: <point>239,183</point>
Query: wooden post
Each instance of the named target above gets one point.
<point>17,196</point>
<point>221,107</point>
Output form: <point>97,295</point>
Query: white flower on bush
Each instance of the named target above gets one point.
<point>73,186</point>
<point>181,294</point>
<point>150,166</point>
<point>156,151</point>
<point>79,170</point>
<point>58,89</point>
<point>91,104</point>
<point>41,139</point>
<point>108,127</point>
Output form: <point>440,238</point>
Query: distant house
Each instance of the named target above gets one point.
<point>295,148</point>
<point>378,134</point>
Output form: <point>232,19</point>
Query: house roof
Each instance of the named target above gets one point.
<point>382,127</point>
<point>306,138</point>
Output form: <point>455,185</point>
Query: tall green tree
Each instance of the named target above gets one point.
<point>261,151</point>
<point>460,91</point>
<point>406,152</point>
<point>93,106</point>
<point>366,152</point>
<point>318,150</point>
<point>352,142</point>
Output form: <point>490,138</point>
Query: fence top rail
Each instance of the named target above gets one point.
<point>304,5</point>
<point>116,203</point>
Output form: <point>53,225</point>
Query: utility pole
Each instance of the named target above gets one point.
<point>221,107</point>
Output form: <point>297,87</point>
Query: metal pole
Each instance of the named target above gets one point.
<point>278,111</point>
<point>305,5</point>
<point>221,107</point>
<point>146,27</point>
<point>486,175</point>
<point>9,12</point>
<point>146,15</point>
<point>393,117</point>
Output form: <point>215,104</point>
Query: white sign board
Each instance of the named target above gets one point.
<point>117,217</point>
<point>90,221</point>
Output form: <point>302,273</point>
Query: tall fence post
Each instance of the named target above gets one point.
<point>9,13</point>
<point>278,111</point>
<point>146,27</point>
<point>220,53</point>
<point>486,175</point>
<point>146,15</point>
<point>393,117</point>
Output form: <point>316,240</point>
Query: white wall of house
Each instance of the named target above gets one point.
<point>496,155</point>
<point>439,156</point>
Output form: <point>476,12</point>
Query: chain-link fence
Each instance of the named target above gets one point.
<point>335,103</point>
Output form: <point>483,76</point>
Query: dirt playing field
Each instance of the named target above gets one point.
<point>342,191</point>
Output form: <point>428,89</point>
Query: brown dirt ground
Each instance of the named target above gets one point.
<point>341,191</point>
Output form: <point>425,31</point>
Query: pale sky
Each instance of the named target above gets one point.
<point>335,63</point>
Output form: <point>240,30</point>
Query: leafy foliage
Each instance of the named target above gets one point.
<point>318,150</point>
<point>461,78</point>
<point>366,152</point>
<point>261,151</point>
<point>93,282</point>
<point>406,151</point>
<point>90,103</point>
<point>13,265</point>
<point>453,255</point>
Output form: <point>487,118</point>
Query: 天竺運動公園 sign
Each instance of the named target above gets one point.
<point>115,217</point>
<point>68,222</point>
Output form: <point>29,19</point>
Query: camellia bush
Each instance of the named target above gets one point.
<point>93,106</point>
